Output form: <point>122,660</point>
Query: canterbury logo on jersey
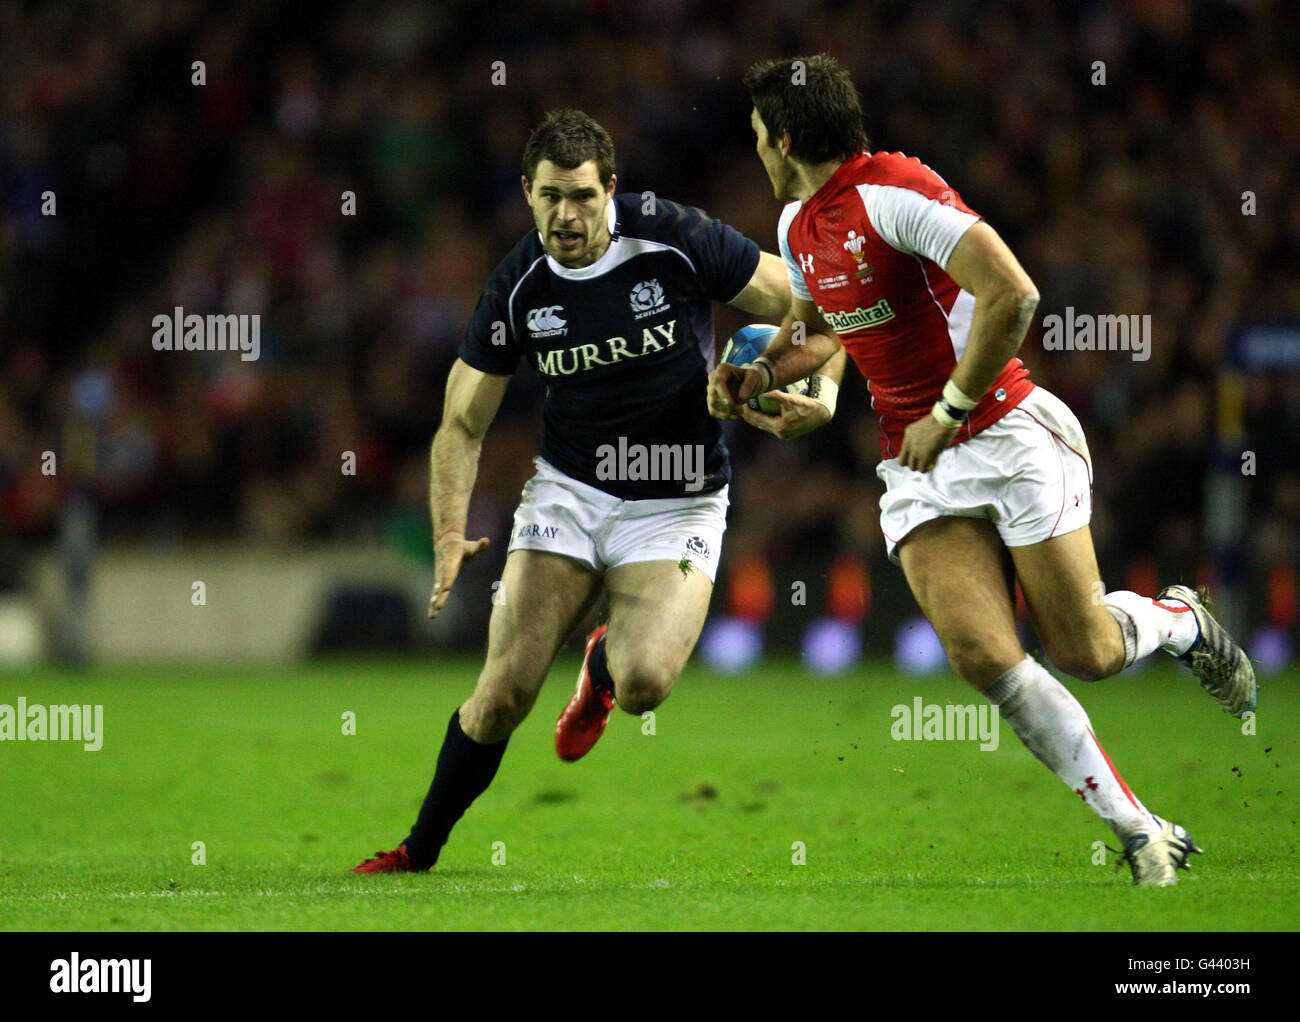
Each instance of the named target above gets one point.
<point>846,322</point>
<point>546,322</point>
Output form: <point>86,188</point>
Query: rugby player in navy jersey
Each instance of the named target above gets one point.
<point>609,299</point>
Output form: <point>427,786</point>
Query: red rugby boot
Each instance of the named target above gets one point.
<point>395,861</point>
<point>583,720</point>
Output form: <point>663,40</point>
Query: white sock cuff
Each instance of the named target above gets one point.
<point>1139,620</point>
<point>1127,626</point>
<point>1010,682</point>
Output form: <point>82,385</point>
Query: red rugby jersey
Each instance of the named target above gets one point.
<point>869,250</point>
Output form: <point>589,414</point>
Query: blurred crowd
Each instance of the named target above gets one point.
<point>1112,144</point>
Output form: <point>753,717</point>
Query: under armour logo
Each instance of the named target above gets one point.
<point>1088,783</point>
<point>806,263</point>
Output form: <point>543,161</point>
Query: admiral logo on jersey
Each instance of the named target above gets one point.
<point>625,344</point>
<point>859,319</point>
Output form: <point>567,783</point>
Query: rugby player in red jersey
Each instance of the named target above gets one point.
<point>988,477</point>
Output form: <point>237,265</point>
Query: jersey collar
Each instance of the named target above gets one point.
<point>601,264</point>
<point>831,185</point>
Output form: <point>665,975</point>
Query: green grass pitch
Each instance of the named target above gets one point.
<point>693,827</point>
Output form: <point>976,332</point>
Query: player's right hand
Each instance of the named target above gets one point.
<point>450,552</point>
<point>730,386</point>
<point>799,414</point>
<point>923,442</point>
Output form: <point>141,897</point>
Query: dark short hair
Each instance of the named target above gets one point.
<point>569,138</point>
<point>822,113</point>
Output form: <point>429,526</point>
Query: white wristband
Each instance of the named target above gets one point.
<point>946,420</point>
<point>953,395</point>
<point>766,363</point>
<point>824,391</point>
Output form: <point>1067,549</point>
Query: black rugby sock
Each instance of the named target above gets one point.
<point>598,666</point>
<point>465,769</point>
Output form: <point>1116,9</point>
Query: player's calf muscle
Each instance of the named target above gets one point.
<point>1093,656</point>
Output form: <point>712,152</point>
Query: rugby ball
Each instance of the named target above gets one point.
<point>745,345</point>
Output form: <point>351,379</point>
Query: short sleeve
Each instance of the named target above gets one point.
<point>913,223</point>
<point>490,345</point>
<point>724,259</point>
<point>798,287</point>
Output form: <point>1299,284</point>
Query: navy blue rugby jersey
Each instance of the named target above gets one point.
<point>625,346</point>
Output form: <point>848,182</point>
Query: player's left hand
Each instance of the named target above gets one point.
<point>800,414</point>
<point>923,442</point>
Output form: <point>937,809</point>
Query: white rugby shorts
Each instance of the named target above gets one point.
<point>1029,473</point>
<point>561,515</point>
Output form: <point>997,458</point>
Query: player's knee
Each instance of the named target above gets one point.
<point>979,661</point>
<point>642,687</point>
<point>494,712</point>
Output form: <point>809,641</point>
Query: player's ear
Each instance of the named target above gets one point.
<point>613,183</point>
<point>528,189</point>
<point>786,143</point>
